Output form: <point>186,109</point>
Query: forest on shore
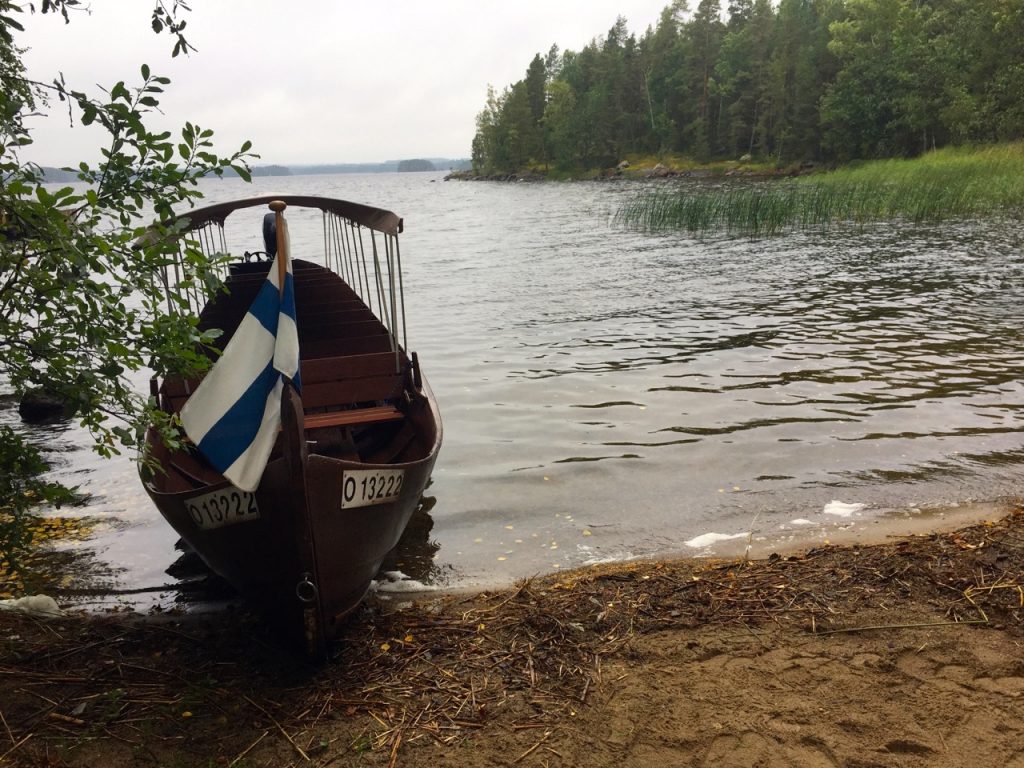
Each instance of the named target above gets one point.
<point>797,81</point>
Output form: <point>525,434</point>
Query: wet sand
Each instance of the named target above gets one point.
<point>907,653</point>
<point>874,526</point>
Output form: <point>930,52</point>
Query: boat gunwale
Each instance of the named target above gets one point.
<point>378,219</point>
<point>430,403</point>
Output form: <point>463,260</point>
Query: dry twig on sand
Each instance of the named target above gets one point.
<point>525,658</point>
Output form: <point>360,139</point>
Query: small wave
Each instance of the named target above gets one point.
<point>707,539</point>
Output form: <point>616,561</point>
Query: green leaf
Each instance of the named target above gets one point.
<point>119,91</point>
<point>145,71</point>
<point>7,21</point>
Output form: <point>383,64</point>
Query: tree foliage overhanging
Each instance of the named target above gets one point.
<point>803,80</point>
<point>81,305</point>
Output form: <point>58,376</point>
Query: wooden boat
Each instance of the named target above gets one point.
<point>357,441</point>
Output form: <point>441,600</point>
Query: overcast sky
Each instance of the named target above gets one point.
<point>313,81</point>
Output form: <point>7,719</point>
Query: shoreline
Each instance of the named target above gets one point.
<point>868,528</point>
<point>656,173</point>
<point>199,592</point>
<point>897,654</point>
<point>858,529</point>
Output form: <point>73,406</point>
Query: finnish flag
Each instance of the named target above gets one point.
<point>235,414</point>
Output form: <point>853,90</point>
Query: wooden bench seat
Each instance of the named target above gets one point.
<point>345,379</point>
<point>341,380</point>
<point>352,417</point>
<point>347,418</point>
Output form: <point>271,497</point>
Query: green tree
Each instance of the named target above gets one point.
<point>663,58</point>
<point>802,67</point>
<point>743,74</point>
<point>559,120</point>
<point>536,95</point>
<point>611,102</point>
<point>489,151</point>
<point>521,134</point>
<point>536,81</point>
<point>873,107</point>
<point>985,40</point>
<point>81,309</point>
<point>580,72</point>
<point>705,34</point>
<point>506,135</point>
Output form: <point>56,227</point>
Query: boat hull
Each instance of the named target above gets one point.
<point>304,560</point>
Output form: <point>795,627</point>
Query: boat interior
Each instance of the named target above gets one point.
<point>359,388</point>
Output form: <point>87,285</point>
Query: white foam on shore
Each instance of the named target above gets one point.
<point>396,581</point>
<point>801,521</point>
<point>842,509</point>
<point>406,585</point>
<point>33,605</point>
<point>707,539</point>
<point>620,556</point>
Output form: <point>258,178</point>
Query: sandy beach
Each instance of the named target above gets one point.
<point>907,653</point>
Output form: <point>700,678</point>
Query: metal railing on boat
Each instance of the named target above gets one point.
<point>360,244</point>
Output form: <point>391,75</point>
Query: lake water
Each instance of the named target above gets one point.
<point>609,394</point>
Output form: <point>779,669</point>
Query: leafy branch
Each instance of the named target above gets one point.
<point>84,313</point>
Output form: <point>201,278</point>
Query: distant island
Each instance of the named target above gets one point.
<point>64,175</point>
<point>388,166</point>
<point>269,170</point>
<point>413,166</point>
<point>58,174</point>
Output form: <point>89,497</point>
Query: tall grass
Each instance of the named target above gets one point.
<point>945,184</point>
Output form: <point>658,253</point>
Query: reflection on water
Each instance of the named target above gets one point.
<point>609,393</point>
<point>415,555</point>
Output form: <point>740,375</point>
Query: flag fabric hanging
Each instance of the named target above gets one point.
<point>234,415</point>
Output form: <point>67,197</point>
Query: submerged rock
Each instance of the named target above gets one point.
<point>39,406</point>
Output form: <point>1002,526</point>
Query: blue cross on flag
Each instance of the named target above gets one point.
<point>235,414</point>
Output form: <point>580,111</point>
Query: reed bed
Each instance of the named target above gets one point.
<point>943,185</point>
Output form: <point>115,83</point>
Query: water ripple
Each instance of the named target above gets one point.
<point>885,362</point>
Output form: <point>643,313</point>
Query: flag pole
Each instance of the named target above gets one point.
<point>278,206</point>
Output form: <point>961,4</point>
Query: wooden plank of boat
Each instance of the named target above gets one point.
<point>356,445</point>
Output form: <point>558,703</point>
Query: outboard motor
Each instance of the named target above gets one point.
<point>254,262</point>
<point>270,235</point>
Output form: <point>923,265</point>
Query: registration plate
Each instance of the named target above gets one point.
<point>364,487</point>
<point>224,507</point>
